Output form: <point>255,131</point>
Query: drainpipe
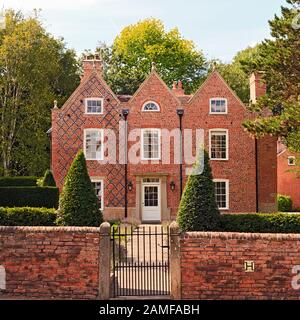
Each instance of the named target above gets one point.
<point>256,175</point>
<point>125,113</point>
<point>180,113</point>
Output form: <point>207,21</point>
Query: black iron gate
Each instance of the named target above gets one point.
<point>140,261</point>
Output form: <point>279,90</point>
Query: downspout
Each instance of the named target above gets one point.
<point>256,175</point>
<point>125,113</point>
<point>180,113</point>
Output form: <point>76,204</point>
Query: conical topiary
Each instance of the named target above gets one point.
<point>198,210</point>
<point>48,179</point>
<point>78,203</point>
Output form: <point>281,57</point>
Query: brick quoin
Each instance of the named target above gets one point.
<point>212,266</point>
<point>245,179</point>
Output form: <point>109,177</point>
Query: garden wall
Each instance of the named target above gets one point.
<point>49,262</point>
<point>213,266</point>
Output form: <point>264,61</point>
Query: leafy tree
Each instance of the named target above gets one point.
<point>236,73</point>
<point>279,59</point>
<point>78,203</point>
<point>198,209</point>
<point>35,69</point>
<point>129,59</point>
<point>48,179</point>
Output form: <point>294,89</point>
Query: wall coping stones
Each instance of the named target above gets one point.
<point>10,229</point>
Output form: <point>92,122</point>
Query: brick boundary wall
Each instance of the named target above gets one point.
<point>50,262</point>
<point>212,265</point>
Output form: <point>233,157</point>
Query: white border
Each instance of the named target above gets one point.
<point>102,143</point>
<point>97,99</point>
<point>227,192</point>
<point>142,143</point>
<point>150,101</point>
<point>102,190</point>
<point>218,98</point>
<point>227,144</point>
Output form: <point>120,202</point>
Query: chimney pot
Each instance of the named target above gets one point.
<point>90,64</point>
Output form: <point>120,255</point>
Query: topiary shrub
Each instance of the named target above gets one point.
<point>48,179</point>
<point>285,203</point>
<point>78,203</point>
<point>198,210</point>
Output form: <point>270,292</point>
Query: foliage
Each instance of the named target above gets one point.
<point>198,210</point>
<point>48,180</point>
<point>128,61</point>
<point>18,181</point>
<point>35,69</point>
<point>285,203</point>
<point>279,59</point>
<point>27,216</point>
<point>78,204</point>
<point>29,196</point>
<point>261,223</point>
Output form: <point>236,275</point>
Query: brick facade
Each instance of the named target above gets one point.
<point>212,266</point>
<point>47,262</point>
<point>69,122</point>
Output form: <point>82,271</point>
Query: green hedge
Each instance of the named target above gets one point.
<point>18,181</point>
<point>27,217</point>
<point>261,223</point>
<point>29,196</point>
<point>285,203</point>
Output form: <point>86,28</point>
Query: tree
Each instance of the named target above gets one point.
<point>236,73</point>
<point>279,59</point>
<point>35,69</point>
<point>78,203</point>
<point>128,61</point>
<point>48,179</point>
<point>198,209</point>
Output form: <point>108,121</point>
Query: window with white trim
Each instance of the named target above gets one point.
<point>222,193</point>
<point>93,144</point>
<point>150,144</point>
<point>218,106</point>
<point>99,187</point>
<point>218,142</point>
<point>94,105</point>
<point>150,106</point>
<point>291,161</point>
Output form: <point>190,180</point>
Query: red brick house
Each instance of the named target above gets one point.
<point>244,169</point>
<point>288,174</point>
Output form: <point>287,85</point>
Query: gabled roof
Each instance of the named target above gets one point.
<point>83,83</point>
<point>155,74</point>
<point>215,72</point>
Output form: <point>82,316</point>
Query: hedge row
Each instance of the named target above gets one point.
<point>18,181</point>
<point>29,196</point>
<point>27,217</point>
<point>261,223</point>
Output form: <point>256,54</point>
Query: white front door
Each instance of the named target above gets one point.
<point>151,202</point>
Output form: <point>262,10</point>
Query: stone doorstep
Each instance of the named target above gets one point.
<point>166,297</point>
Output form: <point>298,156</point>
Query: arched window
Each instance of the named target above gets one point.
<point>150,106</point>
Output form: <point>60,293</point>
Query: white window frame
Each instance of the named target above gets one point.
<point>91,99</point>
<point>294,161</point>
<point>102,143</point>
<point>142,143</point>
<point>227,144</point>
<point>218,98</point>
<point>227,192</point>
<point>143,107</point>
<point>94,180</point>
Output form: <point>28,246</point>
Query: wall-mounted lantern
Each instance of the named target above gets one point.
<point>130,186</point>
<point>172,185</point>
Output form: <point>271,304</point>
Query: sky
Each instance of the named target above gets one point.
<point>220,28</point>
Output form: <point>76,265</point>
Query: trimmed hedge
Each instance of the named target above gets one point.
<point>27,217</point>
<point>261,223</point>
<point>285,203</point>
<point>29,196</point>
<point>18,181</point>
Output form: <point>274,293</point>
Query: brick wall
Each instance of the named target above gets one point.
<point>50,262</point>
<point>212,265</point>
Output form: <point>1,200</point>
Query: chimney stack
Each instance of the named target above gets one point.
<point>178,89</point>
<point>258,87</point>
<point>91,63</point>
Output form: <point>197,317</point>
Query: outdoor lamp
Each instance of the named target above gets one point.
<point>172,185</point>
